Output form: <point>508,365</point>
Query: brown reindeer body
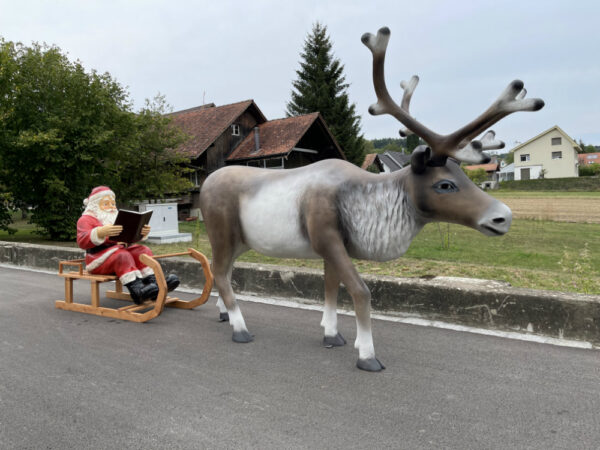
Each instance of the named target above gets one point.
<point>336,211</point>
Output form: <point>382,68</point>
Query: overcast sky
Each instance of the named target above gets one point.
<point>465,53</point>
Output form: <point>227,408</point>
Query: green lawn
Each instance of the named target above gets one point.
<point>534,254</point>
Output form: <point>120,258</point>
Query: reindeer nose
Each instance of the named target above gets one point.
<point>496,220</point>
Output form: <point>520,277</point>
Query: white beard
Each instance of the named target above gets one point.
<point>106,217</point>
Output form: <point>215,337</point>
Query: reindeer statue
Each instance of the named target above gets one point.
<point>336,211</point>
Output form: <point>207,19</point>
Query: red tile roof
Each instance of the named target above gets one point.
<point>369,159</point>
<point>487,167</point>
<point>277,137</point>
<point>206,123</point>
<point>589,158</point>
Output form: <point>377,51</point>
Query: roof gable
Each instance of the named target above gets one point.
<point>206,123</point>
<point>490,167</point>
<point>394,160</point>
<point>369,159</point>
<point>555,127</point>
<point>278,137</point>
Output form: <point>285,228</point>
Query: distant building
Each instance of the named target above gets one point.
<point>588,158</point>
<point>491,169</point>
<point>552,152</point>
<point>386,162</point>
<point>507,172</point>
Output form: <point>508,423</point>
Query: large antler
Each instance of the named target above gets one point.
<point>457,144</point>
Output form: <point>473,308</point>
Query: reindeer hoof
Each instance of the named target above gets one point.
<point>370,365</point>
<point>334,341</point>
<point>242,337</point>
<point>224,317</point>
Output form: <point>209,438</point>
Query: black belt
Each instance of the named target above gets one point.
<point>99,248</point>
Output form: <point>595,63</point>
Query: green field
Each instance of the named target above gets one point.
<point>534,254</point>
<point>543,194</point>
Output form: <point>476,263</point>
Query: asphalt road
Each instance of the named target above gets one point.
<point>73,381</point>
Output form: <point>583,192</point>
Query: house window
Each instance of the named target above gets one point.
<point>194,178</point>
<point>235,129</point>
<point>556,141</point>
<point>556,155</point>
<point>592,157</point>
<point>274,163</point>
<point>525,157</point>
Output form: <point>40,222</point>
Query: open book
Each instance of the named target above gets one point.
<point>132,222</point>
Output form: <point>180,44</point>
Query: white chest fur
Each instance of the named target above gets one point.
<point>379,220</point>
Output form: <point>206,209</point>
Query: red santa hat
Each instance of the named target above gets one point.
<point>97,193</point>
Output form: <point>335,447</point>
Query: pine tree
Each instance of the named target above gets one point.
<point>321,87</point>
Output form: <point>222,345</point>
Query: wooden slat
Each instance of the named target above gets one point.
<point>118,295</point>
<point>76,276</point>
<point>69,290</point>
<point>106,312</point>
<point>135,307</point>
<point>170,255</point>
<point>95,294</point>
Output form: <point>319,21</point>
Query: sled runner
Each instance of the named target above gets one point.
<point>135,313</point>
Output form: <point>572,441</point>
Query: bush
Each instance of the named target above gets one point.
<point>589,170</point>
<point>581,184</point>
<point>477,176</point>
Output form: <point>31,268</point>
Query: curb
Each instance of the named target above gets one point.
<point>464,301</point>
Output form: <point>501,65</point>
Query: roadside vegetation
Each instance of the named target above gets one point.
<point>535,254</point>
<point>581,184</point>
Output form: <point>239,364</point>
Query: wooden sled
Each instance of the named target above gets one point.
<point>135,313</point>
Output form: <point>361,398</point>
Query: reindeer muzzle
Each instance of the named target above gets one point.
<point>496,220</point>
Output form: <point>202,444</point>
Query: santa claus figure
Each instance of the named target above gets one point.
<point>107,257</point>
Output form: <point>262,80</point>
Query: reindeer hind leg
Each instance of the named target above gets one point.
<point>223,314</point>
<point>332,337</point>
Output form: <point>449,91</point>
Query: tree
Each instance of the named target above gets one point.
<point>587,148</point>
<point>321,86</point>
<point>412,142</point>
<point>65,130</point>
<point>510,158</point>
<point>477,176</point>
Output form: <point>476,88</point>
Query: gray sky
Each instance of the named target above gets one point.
<point>465,53</point>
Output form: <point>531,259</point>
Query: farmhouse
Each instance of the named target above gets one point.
<point>551,154</point>
<point>239,133</point>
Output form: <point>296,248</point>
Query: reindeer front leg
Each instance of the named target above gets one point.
<point>326,240</point>
<point>338,258</point>
<point>332,337</point>
<point>224,255</point>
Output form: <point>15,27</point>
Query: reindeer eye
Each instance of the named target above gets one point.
<point>445,187</point>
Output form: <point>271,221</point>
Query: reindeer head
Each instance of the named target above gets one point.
<point>439,189</point>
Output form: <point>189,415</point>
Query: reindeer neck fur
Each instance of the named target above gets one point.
<point>377,216</point>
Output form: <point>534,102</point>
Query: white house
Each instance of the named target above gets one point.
<point>552,151</point>
<point>507,171</point>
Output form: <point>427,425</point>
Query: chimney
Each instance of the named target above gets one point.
<point>256,140</point>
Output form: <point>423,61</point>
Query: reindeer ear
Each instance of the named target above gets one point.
<point>420,156</point>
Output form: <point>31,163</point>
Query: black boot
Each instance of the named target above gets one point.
<point>172,281</point>
<point>140,292</point>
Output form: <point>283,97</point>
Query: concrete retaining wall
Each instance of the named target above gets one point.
<point>480,303</point>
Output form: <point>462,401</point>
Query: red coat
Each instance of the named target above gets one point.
<point>88,239</point>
